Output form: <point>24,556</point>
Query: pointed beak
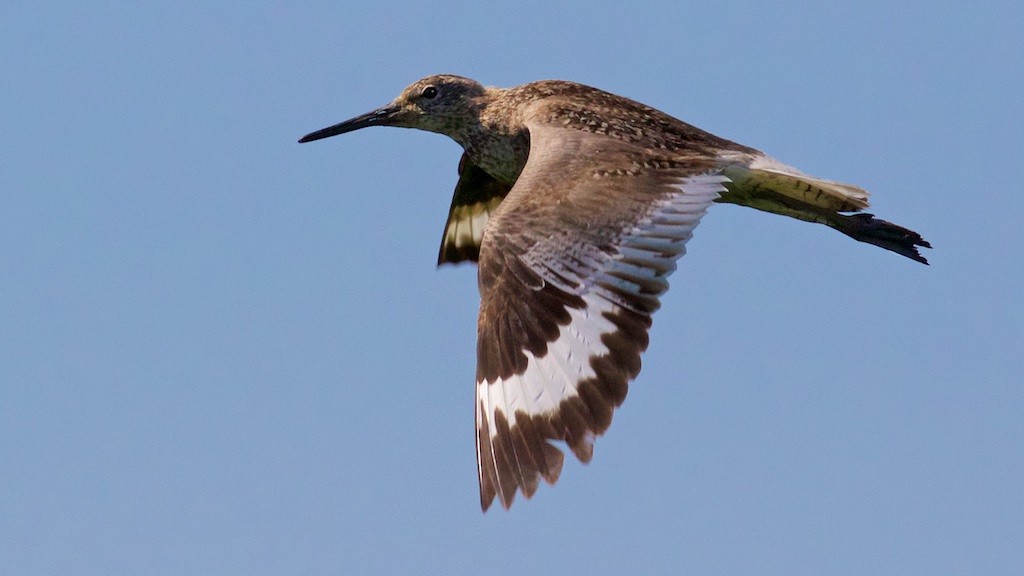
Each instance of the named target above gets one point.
<point>379,117</point>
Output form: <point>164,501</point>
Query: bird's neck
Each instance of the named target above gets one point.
<point>498,141</point>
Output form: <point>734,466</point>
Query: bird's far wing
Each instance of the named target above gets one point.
<point>476,196</point>
<point>571,267</point>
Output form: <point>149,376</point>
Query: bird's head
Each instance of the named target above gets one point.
<point>442,103</point>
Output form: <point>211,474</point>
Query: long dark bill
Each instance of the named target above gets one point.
<point>378,117</point>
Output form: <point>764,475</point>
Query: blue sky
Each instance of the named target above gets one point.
<point>222,352</point>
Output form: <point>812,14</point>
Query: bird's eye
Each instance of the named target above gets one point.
<point>430,92</point>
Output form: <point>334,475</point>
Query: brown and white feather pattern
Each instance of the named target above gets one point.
<point>571,267</point>
<point>476,196</point>
<point>576,203</point>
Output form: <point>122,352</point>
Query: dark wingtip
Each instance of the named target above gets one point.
<point>450,254</point>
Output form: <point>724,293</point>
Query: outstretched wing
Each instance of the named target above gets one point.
<point>477,195</point>
<point>571,267</point>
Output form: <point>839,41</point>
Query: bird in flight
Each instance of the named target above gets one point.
<point>576,203</point>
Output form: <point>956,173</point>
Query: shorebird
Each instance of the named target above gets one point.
<point>576,204</point>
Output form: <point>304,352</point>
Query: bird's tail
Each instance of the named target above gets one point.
<point>771,186</point>
<point>867,228</point>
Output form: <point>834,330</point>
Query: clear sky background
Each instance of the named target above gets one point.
<point>222,352</point>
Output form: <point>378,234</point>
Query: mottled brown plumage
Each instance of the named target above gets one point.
<point>577,203</point>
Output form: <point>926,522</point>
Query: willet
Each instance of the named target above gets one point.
<point>576,204</point>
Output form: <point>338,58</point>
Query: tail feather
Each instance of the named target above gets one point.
<point>766,184</point>
<point>867,228</point>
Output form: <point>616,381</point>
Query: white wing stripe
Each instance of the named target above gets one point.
<point>628,277</point>
<point>553,377</point>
